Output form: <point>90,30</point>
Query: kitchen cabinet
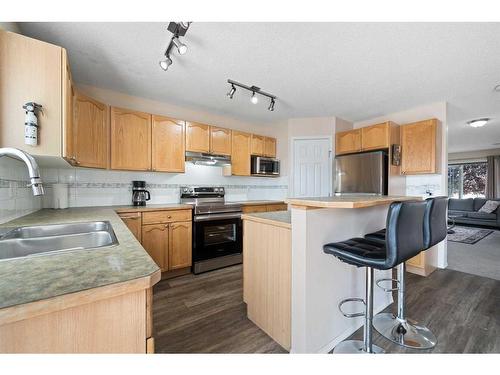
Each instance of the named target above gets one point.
<point>220,141</point>
<point>276,207</point>
<point>180,251</point>
<point>130,139</point>
<point>270,147</point>
<point>421,264</point>
<point>251,208</point>
<point>155,242</point>
<point>31,71</point>
<point>258,145</point>
<point>375,137</point>
<point>240,156</point>
<point>168,144</point>
<point>348,141</point>
<point>133,222</point>
<point>197,137</point>
<point>167,237</point>
<point>419,142</point>
<point>88,133</point>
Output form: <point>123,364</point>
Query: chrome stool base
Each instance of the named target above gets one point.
<point>355,347</point>
<point>406,333</point>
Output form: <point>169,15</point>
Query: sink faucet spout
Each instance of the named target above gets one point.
<point>33,170</point>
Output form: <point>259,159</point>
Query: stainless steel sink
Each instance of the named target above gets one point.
<point>46,239</point>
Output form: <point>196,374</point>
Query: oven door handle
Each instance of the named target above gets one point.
<point>236,215</point>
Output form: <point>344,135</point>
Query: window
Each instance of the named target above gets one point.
<point>467,180</point>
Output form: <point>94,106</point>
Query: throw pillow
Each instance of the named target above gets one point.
<point>489,207</point>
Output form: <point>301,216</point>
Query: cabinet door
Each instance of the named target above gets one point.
<point>180,250</point>
<point>240,156</point>
<point>130,140</point>
<point>375,136</point>
<point>133,222</point>
<point>68,108</point>
<point>168,144</point>
<point>90,133</point>
<point>258,142</point>
<point>220,141</point>
<point>30,71</point>
<point>155,242</point>
<point>197,137</point>
<point>348,141</point>
<point>270,147</point>
<point>418,147</point>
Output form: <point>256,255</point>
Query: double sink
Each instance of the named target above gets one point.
<point>46,239</point>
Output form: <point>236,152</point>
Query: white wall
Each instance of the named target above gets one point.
<point>478,155</point>
<point>417,185</point>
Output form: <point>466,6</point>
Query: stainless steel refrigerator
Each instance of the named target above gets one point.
<point>363,173</point>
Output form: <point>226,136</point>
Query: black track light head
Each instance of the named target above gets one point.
<point>231,92</point>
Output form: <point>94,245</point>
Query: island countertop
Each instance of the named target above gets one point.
<point>347,201</point>
<point>278,218</point>
<point>34,278</point>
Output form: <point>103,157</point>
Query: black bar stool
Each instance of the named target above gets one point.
<point>405,240</point>
<point>399,328</point>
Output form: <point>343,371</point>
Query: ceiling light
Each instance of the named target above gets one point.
<point>164,64</point>
<point>231,92</point>
<point>256,91</point>
<point>478,122</point>
<point>181,47</point>
<point>254,99</point>
<point>271,105</point>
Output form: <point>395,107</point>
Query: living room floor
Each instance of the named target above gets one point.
<point>481,258</point>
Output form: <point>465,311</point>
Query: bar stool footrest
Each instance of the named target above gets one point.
<point>388,290</point>
<point>351,315</point>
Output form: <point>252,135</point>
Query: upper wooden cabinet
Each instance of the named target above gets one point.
<point>419,142</point>
<point>88,133</point>
<point>348,141</point>
<point>376,136</point>
<point>168,145</point>
<point>31,71</point>
<point>220,141</point>
<point>130,139</point>
<point>240,158</point>
<point>197,137</point>
<point>270,147</point>
<point>258,145</point>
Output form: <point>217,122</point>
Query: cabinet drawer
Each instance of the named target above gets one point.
<point>277,207</point>
<point>165,216</point>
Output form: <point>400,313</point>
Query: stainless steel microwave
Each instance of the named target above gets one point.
<point>262,166</point>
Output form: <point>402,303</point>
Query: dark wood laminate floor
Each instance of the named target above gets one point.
<point>206,314</point>
<point>461,309</point>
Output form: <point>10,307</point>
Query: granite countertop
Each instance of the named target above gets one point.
<point>29,279</point>
<point>279,218</point>
<point>257,202</point>
<point>348,201</point>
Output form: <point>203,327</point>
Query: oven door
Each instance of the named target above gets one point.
<point>216,237</point>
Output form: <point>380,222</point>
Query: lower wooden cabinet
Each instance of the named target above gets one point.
<point>134,223</point>
<point>180,251</point>
<point>248,209</point>
<point>155,242</point>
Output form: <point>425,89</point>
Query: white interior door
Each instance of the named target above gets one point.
<point>312,167</point>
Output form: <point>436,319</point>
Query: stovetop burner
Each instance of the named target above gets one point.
<point>207,200</point>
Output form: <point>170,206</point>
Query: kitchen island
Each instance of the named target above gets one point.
<point>313,281</point>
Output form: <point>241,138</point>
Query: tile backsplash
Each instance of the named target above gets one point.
<point>421,184</point>
<point>16,198</point>
<point>92,187</point>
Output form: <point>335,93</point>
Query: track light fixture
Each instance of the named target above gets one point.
<point>177,29</point>
<point>231,92</point>
<point>255,90</point>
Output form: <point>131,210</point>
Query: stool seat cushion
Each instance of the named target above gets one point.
<point>359,252</point>
<point>378,236</point>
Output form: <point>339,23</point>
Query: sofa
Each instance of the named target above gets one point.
<point>469,208</point>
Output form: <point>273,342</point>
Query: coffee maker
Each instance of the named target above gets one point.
<point>139,193</point>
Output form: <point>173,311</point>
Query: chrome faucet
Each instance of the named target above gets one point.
<point>33,170</point>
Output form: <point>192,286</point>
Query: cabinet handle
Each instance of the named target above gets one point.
<point>169,216</point>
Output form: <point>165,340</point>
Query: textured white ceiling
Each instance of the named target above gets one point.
<point>355,71</point>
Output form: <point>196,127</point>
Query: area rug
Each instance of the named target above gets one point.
<point>468,235</point>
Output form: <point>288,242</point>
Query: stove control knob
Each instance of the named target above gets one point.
<point>216,190</point>
<point>185,190</point>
